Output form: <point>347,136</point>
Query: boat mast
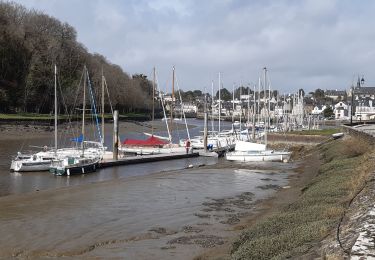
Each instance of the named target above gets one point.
<point>182,109</point>
<point>240,107</point>
<point>161,97</point>
<point>83,109</point>
<point>172,103</point>
<point>248,105</point>
<point>269,104</point>
<point>55,110</point>
<point>258,112</point>
<point>233,106</point>
<point>254,108</point>
<point>153,102</point>
<point>205,121</point>
<point>265,125</point>
<point>102,107</point>
<point>212,107</point>
<point>219,102</point>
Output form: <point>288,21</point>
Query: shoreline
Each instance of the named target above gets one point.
<point>305,171</point>
<point>307,166</point>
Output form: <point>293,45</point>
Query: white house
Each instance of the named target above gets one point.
<point>189,108</point>
<point>318,110</point>
<point>364,109</point>
<point>341,110</point>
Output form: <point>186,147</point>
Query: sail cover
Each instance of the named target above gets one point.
<point>151,141</point>
<point>78,139</point>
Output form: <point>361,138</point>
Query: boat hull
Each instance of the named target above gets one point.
<point>267,156</point>
<point>337,135</point>
<point>19,166</point>
<point>152,150</point>
<point>74,170</point>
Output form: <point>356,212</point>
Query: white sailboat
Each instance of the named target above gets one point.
<point>246,151</point>
<point>86,159</point>
<point>223,139</point>
<point>32,162</point>
<point>39,161</point>
<point>253,152</point>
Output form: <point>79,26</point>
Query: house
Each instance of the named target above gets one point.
<point>318,110</point>
<point>335,94</point>
<point>187,107</point>
<point>364,109</point>
<point>168,98</point>
<point>246,97</point>
<point>361,92</point>
<point>222,106</point>
<point>341,110</point>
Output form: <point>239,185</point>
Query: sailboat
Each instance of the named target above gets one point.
<point>155,144</point>
<point>36,162</point>
<point>39,161</point>
<point>86,159</point>
<point>48,157</point>
<point>246,151</point>
<point>223,139</point>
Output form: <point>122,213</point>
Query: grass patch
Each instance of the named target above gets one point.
<point>293,230</point>
<point>324,132</point>
<point>26,116</point>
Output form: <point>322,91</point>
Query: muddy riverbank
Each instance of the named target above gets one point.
<point>306,225</point>
<point>185,214</point>
<point>161,216</point>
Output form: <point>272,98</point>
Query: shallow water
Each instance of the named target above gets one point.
<point>15,183</point>
<point>135,216</point>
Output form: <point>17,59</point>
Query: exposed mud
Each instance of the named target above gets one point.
<point>162,215</point>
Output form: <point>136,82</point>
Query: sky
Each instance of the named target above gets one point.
<point>305,44</point>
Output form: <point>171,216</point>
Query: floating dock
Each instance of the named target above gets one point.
<point>145,159</point>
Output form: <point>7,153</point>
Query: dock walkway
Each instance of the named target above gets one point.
<point>145,159</point>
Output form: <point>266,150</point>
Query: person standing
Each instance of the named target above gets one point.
<point>187,145</point>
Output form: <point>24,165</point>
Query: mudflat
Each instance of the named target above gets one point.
<point>178,214</point>
<point>185,214</point>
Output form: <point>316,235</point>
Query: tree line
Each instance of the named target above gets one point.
<point>31,43</point>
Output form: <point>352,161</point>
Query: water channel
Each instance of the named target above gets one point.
<point>161,210</point>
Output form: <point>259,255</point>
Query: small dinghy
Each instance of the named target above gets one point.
<point>337,135</point>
